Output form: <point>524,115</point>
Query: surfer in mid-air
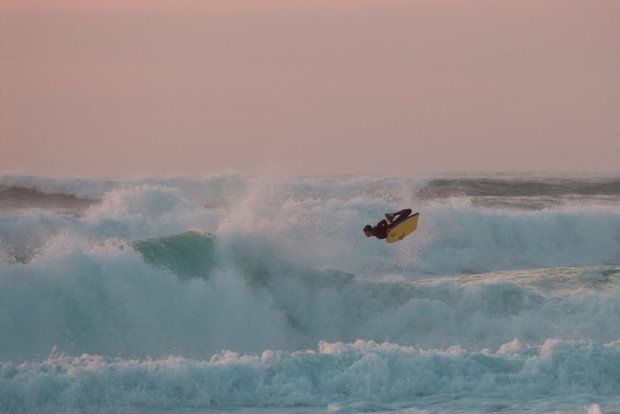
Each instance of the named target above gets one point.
<point>380,231</point>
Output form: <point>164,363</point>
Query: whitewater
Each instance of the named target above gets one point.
<point>261,294</point>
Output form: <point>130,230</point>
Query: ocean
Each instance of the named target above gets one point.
<point>261,294</point>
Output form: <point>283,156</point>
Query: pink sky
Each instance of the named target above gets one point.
<point>309,87</point>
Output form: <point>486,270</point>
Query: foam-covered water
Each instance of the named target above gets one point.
<point>263,295</point>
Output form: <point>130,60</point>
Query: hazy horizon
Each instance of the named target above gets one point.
<point>309,88</point>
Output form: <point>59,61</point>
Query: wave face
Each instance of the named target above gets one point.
<point>262,294</point>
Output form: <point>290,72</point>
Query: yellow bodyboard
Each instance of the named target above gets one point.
<point>402,228</point>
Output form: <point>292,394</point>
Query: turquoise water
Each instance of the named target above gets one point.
<point>262,295</point>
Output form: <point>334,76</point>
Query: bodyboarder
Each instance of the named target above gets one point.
<point>380,231</point>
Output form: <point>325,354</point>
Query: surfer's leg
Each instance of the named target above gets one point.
<point>401,215</point>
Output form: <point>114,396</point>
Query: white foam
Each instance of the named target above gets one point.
<point>337,376</point>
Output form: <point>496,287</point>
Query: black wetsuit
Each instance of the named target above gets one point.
<point>380,231</point>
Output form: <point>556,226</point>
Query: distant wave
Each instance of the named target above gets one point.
<point>389,188</point>
<point>83,188</point>
<point>94,189</point>
<point>19,198</point>
<point>521,187</point>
